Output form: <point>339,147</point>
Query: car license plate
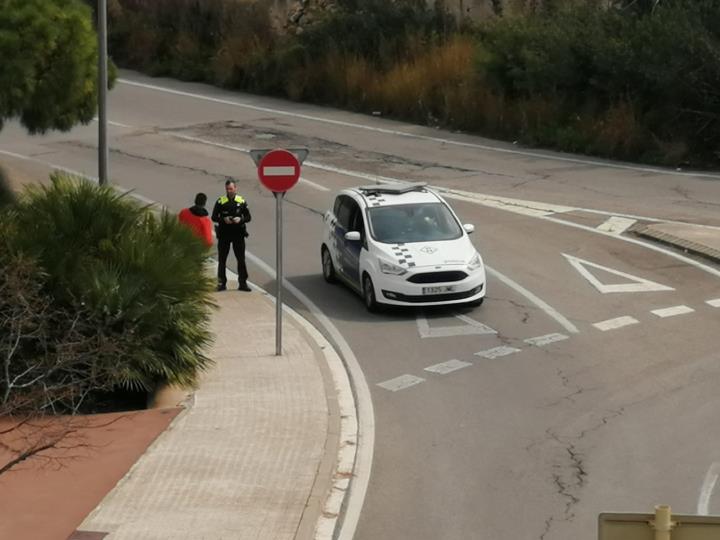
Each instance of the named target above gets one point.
<point>438,290</point>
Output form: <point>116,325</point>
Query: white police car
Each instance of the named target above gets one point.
<point>401,244</point>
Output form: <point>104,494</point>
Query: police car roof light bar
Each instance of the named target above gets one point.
<point>394,189</point>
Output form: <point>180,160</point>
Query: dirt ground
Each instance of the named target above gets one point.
<point>47,497</point>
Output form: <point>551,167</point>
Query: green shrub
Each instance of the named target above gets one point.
<point>131,270</point>
<point>632,80</point>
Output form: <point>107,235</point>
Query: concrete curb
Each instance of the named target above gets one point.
<point>674,241</point>
<point>327,524</point>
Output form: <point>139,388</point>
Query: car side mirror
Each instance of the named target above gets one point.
<point>352,236</point>
<point>469,228</point>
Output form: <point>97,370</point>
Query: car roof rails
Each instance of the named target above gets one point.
<point>393,189</point>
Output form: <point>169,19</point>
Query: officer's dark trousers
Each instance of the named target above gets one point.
<point>238,245</point>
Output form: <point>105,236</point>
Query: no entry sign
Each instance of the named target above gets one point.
<point>279,170</point>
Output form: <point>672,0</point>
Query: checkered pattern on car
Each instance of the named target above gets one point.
<point>335,238</point>
<point>374,199</point>
<point>403,254</point>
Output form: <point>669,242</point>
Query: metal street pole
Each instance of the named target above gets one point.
<point>279,273</point>
<point>102,94</point>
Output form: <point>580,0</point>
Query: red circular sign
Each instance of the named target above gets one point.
<point>279,170</point>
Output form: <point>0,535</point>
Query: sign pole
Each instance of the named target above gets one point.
<point>278,171</point>
<point>102,94</point>
<point>279,272</point>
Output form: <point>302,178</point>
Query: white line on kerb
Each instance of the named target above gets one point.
<point>398,133</point>
<point>613,324</point>
<point>707,489</point>
<point>544,306</point>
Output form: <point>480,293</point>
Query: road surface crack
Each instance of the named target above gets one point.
<point>116,151</point>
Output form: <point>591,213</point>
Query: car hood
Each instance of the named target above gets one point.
<point>422,254</point>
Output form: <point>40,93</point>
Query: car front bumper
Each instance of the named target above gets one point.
<point>397,290</point>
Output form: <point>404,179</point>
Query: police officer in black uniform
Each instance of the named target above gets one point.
<point>230,214</point>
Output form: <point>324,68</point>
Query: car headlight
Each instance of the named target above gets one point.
<point>475,262</point>
<point>390,268</point>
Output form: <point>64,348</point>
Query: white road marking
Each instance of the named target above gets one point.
<point>613,324</point>
<point>544,306</point>
<point>476,199</point>
<point>473,328</point>
<point>313,184</point>
<point>363,455</point>
<point>672,311</point>
<point>639,284</point>
<point>401,383</point>
<point>398,133</point>
<point>117,124</point>
<point>448,367</point>
<point>713,303</point>
<point>278,171</point>
<point>244,151</point>
<point>468,196</point>
<point>497,352</point>
<point>546,339</point>
<point>707,489</point>
<point>616,225</point>
<point>519,206</point>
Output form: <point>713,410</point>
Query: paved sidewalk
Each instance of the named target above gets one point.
<point>251,457</point>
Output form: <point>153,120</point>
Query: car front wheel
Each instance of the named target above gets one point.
<point>371,303</point>
<point>327,266</point>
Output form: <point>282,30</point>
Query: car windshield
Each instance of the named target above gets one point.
<point>402,223</point>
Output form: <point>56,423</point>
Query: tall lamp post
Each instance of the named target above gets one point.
<point>102,94</point>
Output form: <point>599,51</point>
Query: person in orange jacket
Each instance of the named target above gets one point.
<point>197,218</point>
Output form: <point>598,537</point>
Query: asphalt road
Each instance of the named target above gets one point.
<point>563,396</point>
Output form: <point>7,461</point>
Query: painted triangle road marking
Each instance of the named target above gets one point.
<point>471,328</point>
<point>637,284</point>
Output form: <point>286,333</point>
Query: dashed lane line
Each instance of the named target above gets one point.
<point>546,339</point>
<point>497,352</point>
<point>714,303</point>
<point>401,383</point>
<point>614,324</point>
<point>672,311</point>
<point>448,367</point>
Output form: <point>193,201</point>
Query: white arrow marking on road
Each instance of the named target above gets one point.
<point>638,284</point>
<point>707,489</point>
